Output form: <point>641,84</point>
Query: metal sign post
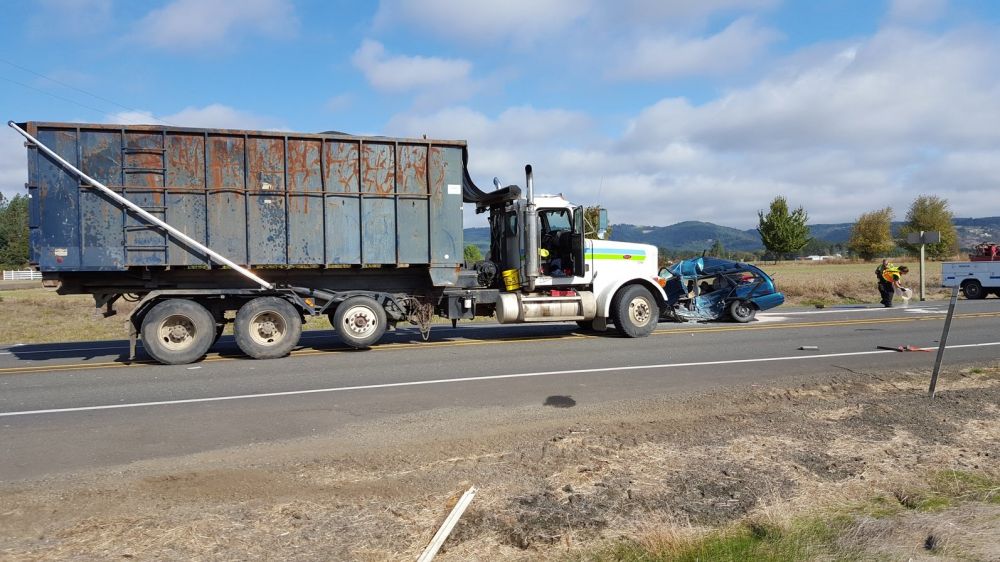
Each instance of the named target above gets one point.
<point>943,342</point>
<point>923,238</point>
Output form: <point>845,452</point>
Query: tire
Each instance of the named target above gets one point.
<point>742,311</point>
<point>177,331</point>
<point>634,311</point>
<point>973,290</point>
<point>359,321</point>
<point>267,327</point>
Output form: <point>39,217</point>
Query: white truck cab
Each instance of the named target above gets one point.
<point>562,275</point>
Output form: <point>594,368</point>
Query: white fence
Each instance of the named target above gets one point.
<point>21,275</point>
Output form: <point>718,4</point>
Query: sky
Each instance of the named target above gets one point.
<point>661,111</point>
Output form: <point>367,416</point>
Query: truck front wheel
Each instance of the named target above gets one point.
<point>177,331</point>
<point>359,321</point>
<point>634,311</point>
<point>973,289</point>
<point>267,327</point>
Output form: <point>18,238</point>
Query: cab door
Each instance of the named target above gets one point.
<point>579,244</point>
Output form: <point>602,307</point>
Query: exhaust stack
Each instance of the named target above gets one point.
<point>532,242</point>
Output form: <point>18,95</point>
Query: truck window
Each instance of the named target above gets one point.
<point>556,219</point>
<point>511,225</point>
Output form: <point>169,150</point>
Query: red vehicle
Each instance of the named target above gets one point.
<point>986,251</point>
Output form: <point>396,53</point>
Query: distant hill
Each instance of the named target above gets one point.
<point>695,236</point>
<point>692,236</point>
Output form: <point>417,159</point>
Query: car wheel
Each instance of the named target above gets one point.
<point>742,311</point>
<point>634,311</point>
<point>973,289</point>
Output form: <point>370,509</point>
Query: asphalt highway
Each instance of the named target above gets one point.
<point>78,406</point>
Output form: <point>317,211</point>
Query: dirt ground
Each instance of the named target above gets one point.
<point>559,481</point>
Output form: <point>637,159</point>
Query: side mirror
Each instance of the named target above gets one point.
<point>496,182</point>
<point>602,224</point>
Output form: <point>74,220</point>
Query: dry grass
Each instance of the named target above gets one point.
<point>824,283</point>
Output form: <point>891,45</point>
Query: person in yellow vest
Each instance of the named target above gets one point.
<point>884,287</point>
<point>892,274</point>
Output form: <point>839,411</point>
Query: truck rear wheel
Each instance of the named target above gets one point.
<point>359,321</point>
<point>973,289</point>
<point>267,327</point>
<point>634,311</point>
<point>177,331</point>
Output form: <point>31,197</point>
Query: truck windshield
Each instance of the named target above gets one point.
<point>557,219</point>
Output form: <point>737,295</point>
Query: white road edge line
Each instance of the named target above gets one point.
<point>464,379</point>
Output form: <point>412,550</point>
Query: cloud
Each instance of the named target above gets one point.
<point>523,23</point>
<point>519,21</point>
<point>338,103</point>
<point>213,116</point>
<point>13,163</point>
<point>407,73</point>
<point>673,12</point>
<point>190,25</point>
<point>841,129</point>
<point>916,11</point>
<point>502,145</point>
<point>659,57</point>
<point>898,88</point>
<point>435,82</point>
<point>71,18</point>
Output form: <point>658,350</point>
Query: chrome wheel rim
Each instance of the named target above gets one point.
<point>359,321</point>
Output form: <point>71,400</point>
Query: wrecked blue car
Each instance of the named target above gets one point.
<point>708,288</point>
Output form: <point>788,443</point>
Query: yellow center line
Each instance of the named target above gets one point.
<point>518,339</point>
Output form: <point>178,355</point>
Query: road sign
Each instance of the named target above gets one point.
<point>924,237</point>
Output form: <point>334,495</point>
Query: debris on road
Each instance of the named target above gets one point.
<point>902,348</point>
<point>808,347</point>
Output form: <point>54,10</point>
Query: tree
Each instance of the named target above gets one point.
<point>929,213</point>
<point>591,220</point>
<point>783,233</point>
<point>14,232</point>
<point>717,249</point>
<point>472,254</point>
<point>872,234</point>
<point>817,247</point>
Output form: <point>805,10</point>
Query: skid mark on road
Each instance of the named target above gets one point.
<point>461,380</point>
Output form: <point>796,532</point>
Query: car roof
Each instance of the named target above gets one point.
<point>712,266</point>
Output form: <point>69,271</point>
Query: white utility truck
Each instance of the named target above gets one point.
<point>978,277</point>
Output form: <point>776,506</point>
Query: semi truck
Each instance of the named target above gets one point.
<point>200,228</point>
